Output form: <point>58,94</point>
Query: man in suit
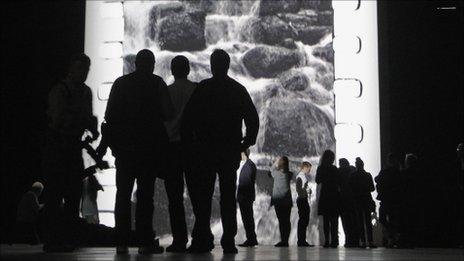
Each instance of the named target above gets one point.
<point>138,105</point>
<point>212,131</point>
<point>246,197</point>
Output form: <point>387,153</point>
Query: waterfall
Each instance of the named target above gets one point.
<point>224,23</point>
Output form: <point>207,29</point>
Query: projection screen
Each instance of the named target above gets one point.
<point>311,68</point>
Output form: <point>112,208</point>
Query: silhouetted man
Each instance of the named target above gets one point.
<point>388,193</point>
<point>348,206</point>
<point>362,185</point>
<point>180,92</point>
<point>138,105</point>
<point>212,126</point>
<point>70,114</point>
<point>246,196</point>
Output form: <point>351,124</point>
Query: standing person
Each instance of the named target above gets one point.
<point>302,202</point>
<point>348,206</point>
<point>329,199</point>
<point>387,184</point>
<point>409,177</point>
<point>282,198</point>
<point>180,92</point>
<point>89,207</point>
<point>246,196</point>
<point>212,128</point>
<point>138,105</point>
<point>70,114</point>
<point>363,185</point>
<point>27,219</point>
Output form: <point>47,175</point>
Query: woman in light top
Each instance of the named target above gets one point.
<point>282,198</point>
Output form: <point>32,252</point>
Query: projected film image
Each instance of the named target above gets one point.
<point>281,51</point>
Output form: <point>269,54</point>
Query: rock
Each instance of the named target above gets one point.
<point>216,30</point>
<point>325,52</point>
<point>288,43</point>
<point>206,6</point>
<point>324,73</point>
<point>317,4</point>
<point>270,91</point>
<point>160,11</point>
<point>312,35</point>
<point>301,20</point>
<point>270,61</point>
<point>270,7</point>
<point>295,128</point>
<point>325,18</point>
<point>268,30</point>
<point>128,63</point>
<point>294,80</point>
<point>319,96</point>
<point>182,32</point>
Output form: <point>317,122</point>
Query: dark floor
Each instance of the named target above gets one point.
<point>25,253</point>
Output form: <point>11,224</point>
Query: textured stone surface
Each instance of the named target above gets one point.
<point>160,11</point>
<point>294,81</point>
<point>268,30</point>
<point>128,63</point>
<point>325,52</point>
<point>269,7</point>
<point>270,61</point>
<point>182,32</point>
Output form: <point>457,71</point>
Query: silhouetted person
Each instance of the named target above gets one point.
<point>362,185</point>
<point>180,92</point>
<point>89,206</point>
<point>302,202</point>
<point>27,219</point>
<point>348,205</point>
<point>212,128</point>
<point>70,114</point>
<point>281,198</point>
<point>138,105</point>
<point>329,198</point>
<point>409,178</point>
<point>388,193</point>
<point>246,196</point>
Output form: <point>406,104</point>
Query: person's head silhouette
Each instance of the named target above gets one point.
<point>343,163</point>
<point>78,68</point>
<point>410,161</point>
<point>145,61</point>
<point>180,67</point>
<point>220,61</point>
<point>359,163</point>
<point>328,157</point>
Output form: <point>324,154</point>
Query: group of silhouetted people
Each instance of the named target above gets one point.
<point>193,132</point>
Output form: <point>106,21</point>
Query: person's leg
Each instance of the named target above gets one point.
<point>174,184</point>
<point>227,185</point>
<point>53,218</point>
<point>326,221</point>
<point>303,219</point>
<point>334,230</point>
<point>122,209</point>
<point>362,223</point>
<point>246,210</point>
<point>72,197</point>
<point>281,216</point>
<point>144,208</point>
<point>368,221</point>
<point>286,222</point>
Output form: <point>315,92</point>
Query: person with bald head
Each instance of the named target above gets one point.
<point>138,106</point>
<point>212,130</point>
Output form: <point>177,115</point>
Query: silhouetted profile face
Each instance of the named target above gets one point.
<point>359,164</point>
<point>145,61</point>
<point>328,157</point>
<point>180,67</point>
<point>220,62</point>
<point>79,68</point>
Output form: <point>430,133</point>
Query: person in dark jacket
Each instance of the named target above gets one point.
<point>281,197</point>
<point>302,202</point>
<point>363,184</point>
<point>409,177</point>
<point>70,115</point>
<point>246,197</point>
<point>138,105</point>
<point>387,184</point>
<point>329,199</point>
<point>212,131</point>
<point>348,206</point>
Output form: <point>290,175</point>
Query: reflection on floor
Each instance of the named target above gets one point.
<point>34,253</point>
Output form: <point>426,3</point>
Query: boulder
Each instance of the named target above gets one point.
<point>312,35</point>
<point>206,6</point>
<point>270,7</point>
<point>128,63</point>
<point>270,61</point>
<point>268,30</point>
<point>294,80</point>
<point>325,52</point>
<point>325,18</point>
<point>261,97</point>
<point>317,4</point>
<point>319,96</point>
<point>160,11</point>
<point>295,128</point>
<point>301,20</point>
<point>216,29</point>
<point>288,43</point>
<point>182,32</point>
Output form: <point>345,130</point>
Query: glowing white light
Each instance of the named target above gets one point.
<point>348,132</point>
<point>110,70</point>
<point>346,44</point>
<point>104,91</point>
<point>345,5</point>
<point>111,50</point>
<point>113,30</point>
<point>347,88</point>
<point>111,10</point>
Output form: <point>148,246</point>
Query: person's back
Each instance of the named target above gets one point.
<point>387,184</point>
<point>246,182</point>
<point>180,92</point>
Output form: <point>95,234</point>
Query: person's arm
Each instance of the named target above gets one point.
<point>371,183</point>
<point>166,102</point>
<point>91,122</point>
<point>115,108</point>
<point>253,173</point>
<point>318,176</point>
<point>190,116</point>
<point>299,186</point>
<point>251,119</point>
